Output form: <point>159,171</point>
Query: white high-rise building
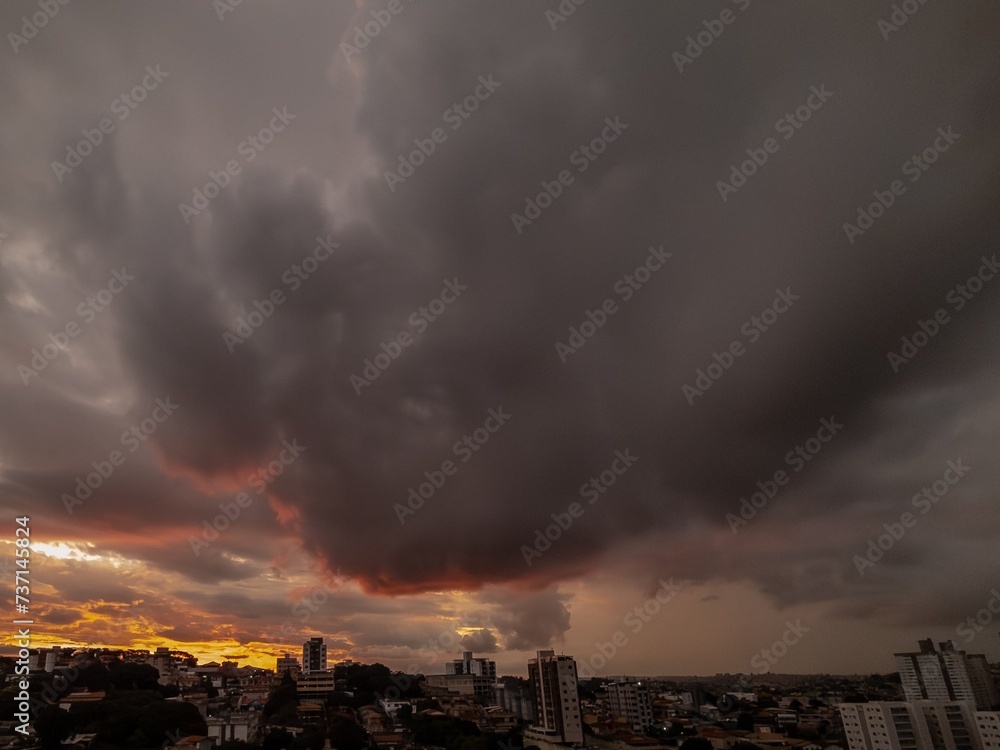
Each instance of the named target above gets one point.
<point>881,726</point>
<point>557,702</point>
<point>988,724</point>
<point>983,684</point>
<point>467,665</point>
<point>314,655</point>
<point>951,726</point>
<point>915,725</point>
<point>946,675</point>
<point>630,700</point>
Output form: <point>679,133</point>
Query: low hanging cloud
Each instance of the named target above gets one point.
<point>481,641</point>
<point>422,419</point>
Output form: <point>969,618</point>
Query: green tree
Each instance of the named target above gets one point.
<point>453,734</point>
<point>52,725</point>
<point>278,739</point>
<point>7,665</point>
<point>312,738</point>
<point>169,691</point>
<point>8,700</point>
<point>95,677</point>
<point>206,684</point>
<point>340,698</point>
<point>128,676</point>
<point>345,734</point>
<point>114,726</point>
<point>282,704</point>
<point>162,717</point>
<point>696,743</point>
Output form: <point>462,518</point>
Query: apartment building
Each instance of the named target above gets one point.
<point>557,703</point>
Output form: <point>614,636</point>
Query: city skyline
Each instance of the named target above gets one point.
<point>942,699</point>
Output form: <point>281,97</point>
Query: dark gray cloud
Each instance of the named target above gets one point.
<point>531,621</point>
<point>481,641</point>
<point>494,346</point>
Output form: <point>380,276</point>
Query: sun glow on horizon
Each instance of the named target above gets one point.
<point>66,550</point>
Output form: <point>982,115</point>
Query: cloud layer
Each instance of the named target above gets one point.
<point>814,310</point>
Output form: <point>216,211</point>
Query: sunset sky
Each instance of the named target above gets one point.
<point>394,299</point>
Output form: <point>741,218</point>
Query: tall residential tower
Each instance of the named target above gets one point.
<point>314,655</point>
<point>557,702</point>
<point>946,675</point>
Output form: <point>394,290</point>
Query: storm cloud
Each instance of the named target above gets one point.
<point>552,244</point>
